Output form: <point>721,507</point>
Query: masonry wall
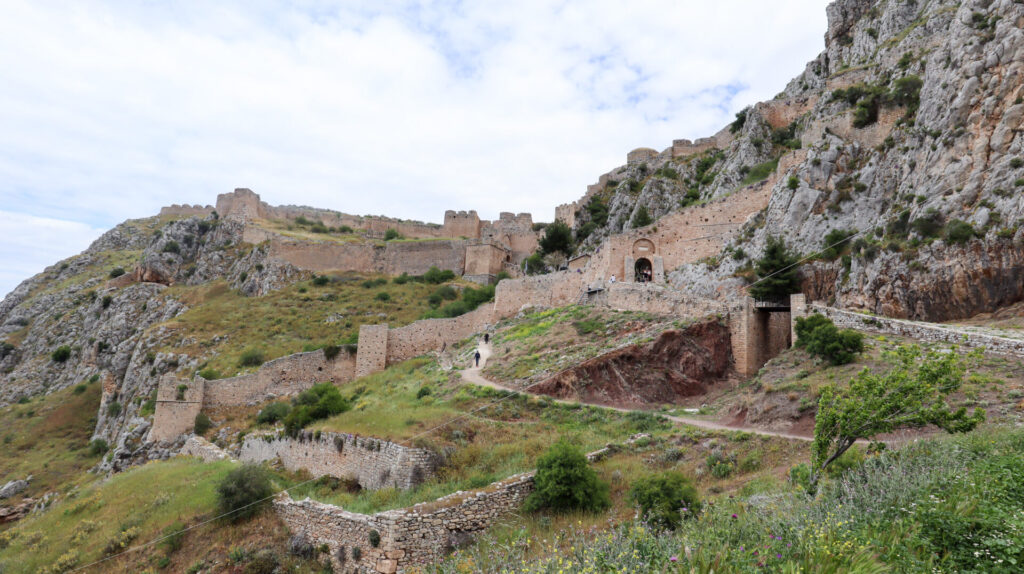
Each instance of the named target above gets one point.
<point>174,417</point>
<point>431,334</point>
<point>286,376</point>
<point>394,258</point>
<point>550,290</point>
<point>373,349</point>
<point>927,332</point>
<point>187,210</point>
<point>373,463</point>
<point>654,298</point>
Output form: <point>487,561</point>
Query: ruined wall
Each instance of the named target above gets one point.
<point>919,331</point>
<point>781,113</point>
<point>420,534</point>
<point>641,154</point>
<point>202,449</point>
<point>431,334</point>
<point>393,258</point>
<point>842,125</point>
<point>417,257</point>
<point>285,376</point>
<point>652,298</point>
<point>373,349</point>
<point>186,210</point>
<point>484,262</point>
<point>551,290</point>
<point>174,417</point>
<point>241,204</point>
<point>373,463</point>
<point>683,148</point>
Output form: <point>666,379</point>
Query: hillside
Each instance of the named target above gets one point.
<point>338,352</point>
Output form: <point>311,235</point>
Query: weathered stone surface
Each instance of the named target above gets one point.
<point>14,487</point>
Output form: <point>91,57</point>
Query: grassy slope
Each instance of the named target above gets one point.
<point>289,320</point>
<point>48,438</point>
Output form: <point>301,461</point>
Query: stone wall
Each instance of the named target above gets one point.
<point>285,376</point>
<point>484,262</point>
<point>203,449</point>
<point>920,331</point>
<point>641,154</point>
<point>373,349</point>
<point>683,148</point>
<point>432,334</point>
<point>174,416</point>
<point>393,258</point>
<point>186,210</point>
<point>551,290</point>
<point>420,534</point>
<point>652,298</point>
<point>373,463</point>
<point>461,224</point>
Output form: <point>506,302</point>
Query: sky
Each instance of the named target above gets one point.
<point>110,110</point>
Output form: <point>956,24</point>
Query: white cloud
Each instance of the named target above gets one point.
<point>29,244</point>
<point>398,108</point>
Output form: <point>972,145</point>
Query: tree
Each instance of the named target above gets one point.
<point>565,481</point>
<point>641,218</point>
<point>557,237</point>
<point>777,273</point>
<point>243,492</point>
<point>910,395</point>
<point>820,336</point>
<point>662,498</point>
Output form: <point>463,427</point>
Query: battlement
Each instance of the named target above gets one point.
<point>187,210</point>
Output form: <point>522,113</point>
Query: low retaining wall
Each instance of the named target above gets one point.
<point>419,534</point>
<point>373,463</point>
<point>928,332</point>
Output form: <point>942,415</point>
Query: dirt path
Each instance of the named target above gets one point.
<point>473,375</point>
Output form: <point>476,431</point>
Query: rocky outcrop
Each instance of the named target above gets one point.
<point>678,364</point>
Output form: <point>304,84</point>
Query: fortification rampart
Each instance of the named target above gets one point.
<point>177,404</point>
<point>652,298</point>
<point>420,534</point>
<point>916,330</point>
<point>373,463</point>
<point>683,148</point>
<point>187,210</point>
<point>395,257</point>
<point>286,376</point>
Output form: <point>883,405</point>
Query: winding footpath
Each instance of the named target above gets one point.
<point>473,375</point>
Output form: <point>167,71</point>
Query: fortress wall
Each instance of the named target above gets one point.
<point>241,204</point>
<point>417,257</point>
<point>484,260</point>
<point>174,417</point>
<point>373,349</point>
<point>653,298</point>
<point>551,290</point>
<point>431,334</point>
<point>187,210</point>
<point>286,376</point>
<point>841,124</point>
<point>781,113</point>
<point>373,463</point>
<point>461,224</point>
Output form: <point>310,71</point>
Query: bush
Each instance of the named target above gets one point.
<point>423,392</point>
<point>180,396</point>
<point>401,279</point>
<point>392,234</point>
<point>264,562</point>
<point>383,296</point>
<point>565,481</point>
<point>116,272</point>
<point>662,498</point>
<point>557,237</point>
<point>819,335</point>
<point>61,354</point>
<point>319,402</point>
<point>98,446</point>
<point>473,298</point>
<point>793,182</point>
<point>437,276</point>
<point>831,251</point>
<point>210,374</point>
<point>244,492</point>
<point>641,218</point>
<point>958,232</point>
<point>174,537</point>
<point>113,409</point>
<point>273,412</point>
<point>777,271</point>
<point>172,247</point>
<point>374,538</point>
<point>929,224</point>
<point>446,292</point>
<point>251,357</point>
<point>321,280</point>
<point>331,351</point>
<point>202,424</point>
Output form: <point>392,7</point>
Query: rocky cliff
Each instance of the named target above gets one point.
<point>906,129</point>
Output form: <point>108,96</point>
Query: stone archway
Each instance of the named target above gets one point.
<point>643,270</point>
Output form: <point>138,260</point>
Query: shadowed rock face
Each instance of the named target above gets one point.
<point>678,364</point>
<point>949,282</point>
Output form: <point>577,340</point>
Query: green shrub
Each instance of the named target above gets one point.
<point>423,392</point>
<point>321,280</point>
<point>331,351</point>
<point>793,182</point>
<point>929,224</point>
<point>819,335</point>
<point>392,234</point>
<point>210,374</point>
<point>172,247</point>
<point>202,424</point>
<point>760,171</point>
<point>116,272</point>
<point>61,354</point>
<point>473,298</point>
<point>383,296</point>
<point>251,357</point>
<point>374,538</point>
<point>831,251</point>
<point>437,276</point>
<point>588,326</point>
<point>113,409</point>
<point>180,396</point>
<point>173,537</point>
<point>446,292</point>
<point>557,237</point>
<point>958,232</point>
<point>777,272</point>
<point>244,492</point>
<point>98,446</point>
<point>319,402</point>
<point>1016,162</point>
<point>565,481</point>
<point>641,218</point>
<point>273,412</point>
<point>741,119</point>
<point>663,497</point>
<point>401,279</point>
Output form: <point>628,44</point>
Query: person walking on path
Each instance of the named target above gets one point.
<point>487,338</point>
<point>477,357</point>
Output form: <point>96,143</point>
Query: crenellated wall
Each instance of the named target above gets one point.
<point>187,210</point>
<point>371,462</point>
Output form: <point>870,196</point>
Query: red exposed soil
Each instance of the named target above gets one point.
<point>676,365</point>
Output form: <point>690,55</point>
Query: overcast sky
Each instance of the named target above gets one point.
<point>110,110</point>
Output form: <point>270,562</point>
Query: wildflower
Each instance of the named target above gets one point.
<point>673,559</point>
<point>734,516</point>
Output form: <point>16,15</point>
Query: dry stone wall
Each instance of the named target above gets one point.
<point>373,463</point>
<point>431,334</point>
<point>919,331</point>
<point>176,409</point>
<point>419,534</point>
